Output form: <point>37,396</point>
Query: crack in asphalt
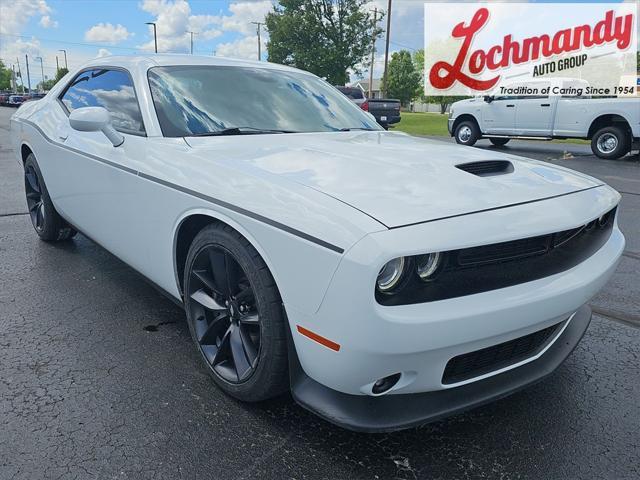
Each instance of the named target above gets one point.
<point>13,214</point>
<point>628,319</point>
<point>630,254</point>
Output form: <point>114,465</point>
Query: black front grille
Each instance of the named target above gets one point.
<point>489,267</point>
<point>487,168</point>
<point>474,364</point>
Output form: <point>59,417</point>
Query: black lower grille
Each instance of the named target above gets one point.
<point>473,364</point>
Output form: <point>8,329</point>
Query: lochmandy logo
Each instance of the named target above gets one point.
<point>612,29</point>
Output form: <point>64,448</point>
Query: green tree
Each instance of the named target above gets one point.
<point>326,37</point>
<point>442,100</point>
<point>5,77</point>
<point>403,80</point>
<point>49,84</point>
<point>60,73</point>
<point>46,85</point>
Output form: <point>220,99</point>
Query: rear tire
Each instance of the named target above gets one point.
<point>235,315</point>
<point>499,142</point>
<point>46,221</point>
<point>611,143</point>
<point>467,133</point>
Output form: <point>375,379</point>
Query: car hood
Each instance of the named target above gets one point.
<point>394,178</point>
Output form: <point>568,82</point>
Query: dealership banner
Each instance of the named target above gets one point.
<point>531,49</point>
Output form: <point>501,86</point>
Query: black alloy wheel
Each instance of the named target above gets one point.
<point>225,314</point>
<point>47,223</point>
<point>35,202</point>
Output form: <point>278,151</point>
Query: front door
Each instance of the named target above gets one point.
<point>534,116</point>
<point>97,184</point>
<point>499,116</point>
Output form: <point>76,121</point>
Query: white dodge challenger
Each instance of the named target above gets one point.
<point>385,280</point>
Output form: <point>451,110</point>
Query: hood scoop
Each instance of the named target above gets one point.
<point>487,168</point>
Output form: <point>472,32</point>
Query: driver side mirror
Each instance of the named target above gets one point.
<point>488,98</point>
<point>95,119</point>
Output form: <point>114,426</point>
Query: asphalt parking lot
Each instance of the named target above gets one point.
<point>99,378</point>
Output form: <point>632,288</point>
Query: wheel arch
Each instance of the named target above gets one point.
<point>607,120</point>
<point>464,117</point>
<point>25,151</point>
<point>190,224</point>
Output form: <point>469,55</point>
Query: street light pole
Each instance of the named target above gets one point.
<point>41,71</point>
<point>155,35</point>
<point>386,50</point>
<point>57,66</point>
<point>66,65</point>
<point>192,34</point>
<point>26,57</point>
<point>258,25</point>
<point>373,51</point>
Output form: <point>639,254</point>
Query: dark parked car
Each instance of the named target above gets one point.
<point>385,110</point>
<point>354,94</point>
<point>16,100</point>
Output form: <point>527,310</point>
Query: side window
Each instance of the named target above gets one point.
<point>111,89</point>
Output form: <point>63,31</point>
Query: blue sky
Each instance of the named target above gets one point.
<point>88,28</point>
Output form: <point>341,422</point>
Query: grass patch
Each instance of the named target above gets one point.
<point>423,124</point>
<point>434,124</point>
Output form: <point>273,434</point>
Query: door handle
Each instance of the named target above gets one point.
<point>510,106</point>
<point>545,104</point>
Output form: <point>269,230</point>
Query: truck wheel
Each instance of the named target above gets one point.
<point>610,143</point>
<point>499,142</point>
<point>467,133</point>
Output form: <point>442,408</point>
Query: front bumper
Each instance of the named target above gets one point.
<point>450,125</point>
<point>395,412</point>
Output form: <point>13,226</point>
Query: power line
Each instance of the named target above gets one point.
<point>95,45</point>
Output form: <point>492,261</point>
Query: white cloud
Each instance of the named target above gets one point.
<point>107,33</point>
<point>46,22</point>
<point>245,47</point>
<point>103,52</point>
<point>243,13</point>
<point>173,21</point>
<point>15,14</point>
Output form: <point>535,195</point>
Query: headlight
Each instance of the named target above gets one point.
<point>427,265</point>
<point>390,275</point>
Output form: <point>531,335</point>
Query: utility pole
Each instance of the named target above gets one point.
<point>192,34</point>
<point>386,51</point>
<point>41,71</point>
<point>373,51</point>
<point>155,36</point>
<point>26,57</point>
<point>258,25</point>
<point>57,66</point>
<point>14,80</point>
<point>20,75</point>
<point>65,59</point>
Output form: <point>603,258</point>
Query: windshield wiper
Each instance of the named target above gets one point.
<point>239,131</point>
<point>348,129</point>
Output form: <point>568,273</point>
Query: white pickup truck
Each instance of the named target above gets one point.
<point>612,124</point>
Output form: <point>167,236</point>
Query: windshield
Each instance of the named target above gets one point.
<point>199,100</point>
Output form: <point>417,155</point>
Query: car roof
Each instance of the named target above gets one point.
<point>166,59</point>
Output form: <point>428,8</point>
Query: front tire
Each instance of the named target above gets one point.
<point>467,133</point>
<point>499,142</point>
<point>610,143</point>
<point>235,315</point>
<point>46,221</point>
